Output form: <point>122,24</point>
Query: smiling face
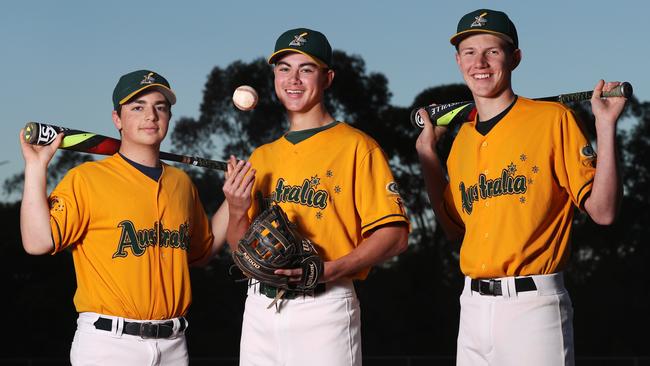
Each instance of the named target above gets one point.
<point>143,120</point>
<point>300,83</point>
<point>486,62</point>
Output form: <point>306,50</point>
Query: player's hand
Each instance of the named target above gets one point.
<point>606,110</point>
<point>430,135</point>
<point>294,274</point>
<point>38,155</point>
<point>238,185</point>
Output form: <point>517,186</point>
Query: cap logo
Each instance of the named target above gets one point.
<point>479,21</point>
<point>148,79</point>
<point>298,40</point>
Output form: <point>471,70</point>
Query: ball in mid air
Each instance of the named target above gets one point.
<point>245,98</point>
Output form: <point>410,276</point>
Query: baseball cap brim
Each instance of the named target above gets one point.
<point>456,38</point>
<point>274,57</point>
<point>168,93</point>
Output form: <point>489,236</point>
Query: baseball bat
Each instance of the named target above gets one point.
<point>75,140</point>
<point>445,114</point>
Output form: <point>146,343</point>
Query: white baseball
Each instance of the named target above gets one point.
<point>244,98</point>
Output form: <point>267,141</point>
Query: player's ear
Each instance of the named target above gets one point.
<point>516,58</point>
<point>117,121</point>
<point>329,77</point>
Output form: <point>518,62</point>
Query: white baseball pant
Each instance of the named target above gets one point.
<point>525,327</point>
<point>319,330</point>
<point>93,346</point>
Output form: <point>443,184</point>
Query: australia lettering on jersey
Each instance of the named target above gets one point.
<point>139,240</point>
<point>305,194</point>
<point>507,183</point>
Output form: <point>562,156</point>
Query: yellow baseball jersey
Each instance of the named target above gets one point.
<point>336,185</point>
<point>132,238</point>
<point>514,190</point>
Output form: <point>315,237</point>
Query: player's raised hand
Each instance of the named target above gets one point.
<point>606,110</point>
<point>430,135</point>
<point>238,185</point>
<point>38,154</point>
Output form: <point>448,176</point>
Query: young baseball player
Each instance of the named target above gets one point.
<point>334,182</point>
<point>133,226</point>
<point>515,174</point>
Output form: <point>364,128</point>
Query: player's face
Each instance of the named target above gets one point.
<point>144,119</point>
<point>300,83</point>
<point>486,64</point>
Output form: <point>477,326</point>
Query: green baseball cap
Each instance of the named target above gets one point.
<point>486,21</point>
<point>306,41</point>
<point>134,82</point>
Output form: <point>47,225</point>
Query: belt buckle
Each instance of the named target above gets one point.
<point>147,330</point>
<point>491,287</point>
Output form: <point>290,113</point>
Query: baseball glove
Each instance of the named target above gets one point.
<point>273,242</point>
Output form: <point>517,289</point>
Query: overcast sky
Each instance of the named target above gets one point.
<point>61,59</point>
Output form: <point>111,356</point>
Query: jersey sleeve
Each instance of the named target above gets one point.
<point>575,164</point>
<point>69,213</point>
<point>377,197</point>
<point>201,235</point>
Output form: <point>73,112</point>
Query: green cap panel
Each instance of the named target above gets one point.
<point>134,82</point>
<point>486,21</point>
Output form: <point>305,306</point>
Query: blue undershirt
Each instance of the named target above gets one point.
<point>151,172</point>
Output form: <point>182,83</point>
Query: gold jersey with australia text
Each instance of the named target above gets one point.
<point>514,189</point>
<point>334,182</point>
<point>132,238</point>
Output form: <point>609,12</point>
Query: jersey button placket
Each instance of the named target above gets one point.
<point>157,198</point>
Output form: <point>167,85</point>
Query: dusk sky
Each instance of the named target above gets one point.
<point>61,59</point>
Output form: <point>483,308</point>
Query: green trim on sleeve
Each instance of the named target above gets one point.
<point>385,217</point>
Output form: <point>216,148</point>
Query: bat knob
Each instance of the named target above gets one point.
<point>416,119</point>
<point>626,89</point>
<point>30,132</point>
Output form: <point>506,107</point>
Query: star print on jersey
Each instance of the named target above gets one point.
<point>139,240</point>
<point>56,204</point>
<point>315,181</point>
<point>512,169</point>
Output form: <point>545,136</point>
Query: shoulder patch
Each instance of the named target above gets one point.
<point>392,188</point>
<point>588,155</point>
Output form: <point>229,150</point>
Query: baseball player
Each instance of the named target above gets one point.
<point>133,226</point>
<point>515,174</point>
<point>334,182</point>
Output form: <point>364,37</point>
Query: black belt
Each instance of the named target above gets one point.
<point>493,287</point>
<point>271,291</point>
<point>143,329</point>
